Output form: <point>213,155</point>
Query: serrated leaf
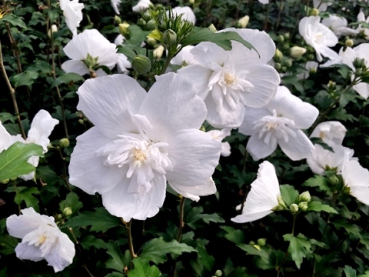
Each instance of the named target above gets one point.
<point>67,78</point>
<point>26,194</point>
<point>349,271</point>
<point>14,20</point>
<point>156,250</point>
<point>72,202</point>
<point>317,206</point>
<point>117,260</point>
<point>13,161</point>
<point>92,241</point>
<point>26,78</point>
<point>236,236</point>
<point>349,227</point>
<point>299,247</point>
<point>255,251</point>
<point>289,194</point>
<point>100,220</point>
<point>222,39</point>
<point>142,268</point>
<point>126,51</point>
<point>204,262</point>
<point>317,181</point>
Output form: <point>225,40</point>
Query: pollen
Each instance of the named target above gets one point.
<point>229,78</point>
<point>41,240</point>
<point>270,125</point>
<point>321,135</point>
<point>139,157</point>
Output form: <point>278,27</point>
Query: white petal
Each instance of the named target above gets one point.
<point>354,175</point>
<point>249,119</point>
<point>331,132</point>
<point>115,4</point>
<point>62,254</point>
<point>87,171</point>
<point>142,5</point>
<point>361,194</point>
<point>75,66</point>
<point>172,105</point>
<point>28,252</point>
<point>195,155</point>
<point>243,218</point>
<point>106,100</point>
<point>187,12</point>
<point>362,89</point>
<point>297,148</point>
<point>258,149</point>
<point>194,193</point>
<point>5,138</point>
<point>19,226</point>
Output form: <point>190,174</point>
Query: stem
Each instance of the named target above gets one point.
<point>266,17</point>
<point>244,170</point>
<point>279,15</point>
<point>14,47</point>
<point>181,213</point>
<point>16,192</point>
<point>169,58</point>
<point>130,240</point>
<point>65,178</point>
<point>12,93</point>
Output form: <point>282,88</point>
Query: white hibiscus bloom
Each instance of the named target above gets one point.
<point>41,239</point>
<point>141,6</point>
<point>115,4</point>
<point>140,141</point>
<point>230,80</point>
<point>338,25</point>
<point>319,36</point>
<point>89,44</point>
<point>279,123</point>
<point>41,127</point>
<point>219,135</point>
<point>263,196</point>
<point>264,1</point>
<point>187,13</point>
<point>356,178</point>
<point>72,11</point>
<point>361,18</point>
<point>331,132</point>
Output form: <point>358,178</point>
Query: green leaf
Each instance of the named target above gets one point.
<point>204,262</point>
<point>126,51</point>
<point>317,181</point>
<point>366,274</point>
<point>349,227</point>
<point>321,143</point>
<point>236,236</point>
<point>349,271</point>
<point>289,194</point>
<point>117,260</point>
<point>115,274</point>
<point>13,161</point>
<point>299,247</point>
<point>255,251</point>
<point>72,202</point>
<point>67,78</point>
<point>26,194</point>
<point>100,220</point>
<point>196,214</point>
<point>92,241</point>
<point>222,39</point>
<point>240,272</point>
<point>142,268</point>
<point>317,206</point>
<point>292,80</point>
<point>24,79</point>
<point>7,243</point>
<point>156,249</point>
<point>14,20</point>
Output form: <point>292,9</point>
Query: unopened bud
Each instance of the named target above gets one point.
<point>141,22</point>
<point>281,205</point>
<point>117,20</point>
<point>334,180</point>
<point>359,63</point>
<point>147,15</point>
<point>305,197</point>
<point>287,36</point>
<point>169,38</point>
<point>141,64</point>
<point>67,211</point>
<point>349,42</point>
<point>123,29</point>
<point>284,69</point>
<point>252,242</point>
<point>261,242</point>
<point>278,55</point>
<point>314,12</point>
<point>5,181</point>
<point>303,206</point>
<point>331,84</point>
<point>281,38</point>
<point>288,62</point>
<point>218,273</point>
<point>192,2</point>
<point>242,22</point>
<point>158,52</point>
<point>297,51</point>
<point>277,66</point>
<point>212,28</point>
<point>52,30</point>
<point>64,142</point>
<point>151,41</point>
<point>294,208</point>
<point>80,121</point>
<point>151,24</point>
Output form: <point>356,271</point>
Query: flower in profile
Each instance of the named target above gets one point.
<point>41,239</point>
<point>263,197</point>
<point>338,25</point>
<point>361,18</point>
<point>219,135</point>
<point>187,13</point>
<point>140,141</point>
<point>41,127</point>
<point>72,11</point>
<point>319,36</point>
<point>88,51</point>
<point>115,4</point>
<point>279,123</point>
<point>230,80</point>
<point>331,132</point>
<point>141,6</point>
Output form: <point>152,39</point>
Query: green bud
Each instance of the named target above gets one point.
<point>349,42</point>
<point>286,46</point>
<point>280,38</point>
<point>359,63</point>
<point>252,242</point>
<point>5,181</point>
<point>331,85</point>
<point>151,24</point>
<point>212,28</point>
<point>334,180</point>
<point>305,197</point>
<point>261,242</point>
<point>303,206</point>
<point>242,22</point>
<point>151,41</point>
<point>141,64</point>
<point>277,66</point>
<point>297,51</point>
<point>257,247</point>
<point>294,208</point>
<point>288,62</point>
<point>169,38</point>
<point>281,205</point>
<point>358,72</point>
<point>90,61</point>
<point>67,211</point>
<point>80,121</point>
<point>346,190</point>
<point>64,142</point>
<point>141,22</point>
<point>284,69</point>
<point>278,55</point>
<point>117,20</point>
<point>311,57</point>
<point>218,273</point>
<point>147,15</point>
<point>123,29</point>
<point>191,2</point>
<point>314,12</point>
<point>287,36</point>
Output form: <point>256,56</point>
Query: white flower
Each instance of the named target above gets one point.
<point>319,36</point>
<point>310,66</point>
<point>41,239</point>
<point>184,57</point>
<point>140,141</point>
<point>264,1</point>
<point>187,13</point>
<point>279,123</point>
<point>331,132</point>
<point>41,128</point>
<point>230,80</point>
<point>263,196</point>
<point>361,18</point>
<point>142,5</point>
<point>356,179</point>
<point>115,4</point>
<point>89,43</point>
<point>322,5</point>
<point>72,11</point>
<point>338,25</point>
<point>219,135</point>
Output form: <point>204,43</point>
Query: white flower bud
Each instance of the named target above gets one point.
<point>158,52</point>
<point>52,30</point>
<point>297,51</point>
<point>242,22</point>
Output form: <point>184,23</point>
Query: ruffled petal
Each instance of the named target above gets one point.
<point>24,251</point>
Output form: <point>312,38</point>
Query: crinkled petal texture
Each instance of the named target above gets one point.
<point>72,11</point>
<point>93,43</point>
<point>331,132</point>
<point>263,196</point>
<point>357,179</point>
<point>41,239</point>
<point>139,141</point>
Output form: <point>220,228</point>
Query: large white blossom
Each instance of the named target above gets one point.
<point>319,36</point>
<point>331,132</point>
<point>41,127</point>
<point>41,239</point>
<point>72,11</point>
<point>263,196</point>
<point>361,18</point>
<point>322,5</point>
<point>230,80</point>
<point>89,43</point>
<point>338,25</point>
<point>279,123</point>
<point>140,141</point>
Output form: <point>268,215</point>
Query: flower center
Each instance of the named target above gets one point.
<point>318,38</point>
<point>41,240</point>
<point>139,157</point>
<point>229,78</point>
<point>322,135</point>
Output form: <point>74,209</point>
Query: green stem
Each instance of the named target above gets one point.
<point>266,17</point>
<point>129,235</point>
<point>279,15</point>
<point>181,215</point>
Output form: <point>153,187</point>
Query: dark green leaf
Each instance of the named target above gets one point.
<point>142,268</point>
<point>289,194</point>
<point>236,236</point>
<point>299,247</point>
<point>348,227</point>
<point>204,262</point>
<point>318,181</point>
<point>92,241</point>
<point>7,243</point>
<point>67,78</point>
<point>349,271</point>
<point>26,194</point>
<point>72,202</point>
<point>24,79</point>
<point>117,259</point>
<point>14,20</point>
<point>317,206</point>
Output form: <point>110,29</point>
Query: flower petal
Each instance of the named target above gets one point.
<point>28,252</point>
<point>19,226</point>
<point>297,148</point>
<point>62,254</point>
<point>258,149</point>
<point>194,193</point>
<point>75,66</point>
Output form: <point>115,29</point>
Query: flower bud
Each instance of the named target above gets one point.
<point>151,25</point>
<point>294,208</point>
<point>67,211</point>
<point>261,242</point>
<point>314,12</point>
<point>359,63</point>
<point>278,55</point>
<point>288,62</point>
<point>331,85</point>
<point>141,22</point>
<point>80,121</point>
<point>280,38</point>
<point>334,180</point>
<point>147,15</point>
<point>52,30</point>
<point>303,206</point>
<point>169,38</point>
<point>5,181</point>
<point>277,66</point>
<point>305,197</point>
<point>192,2</point>
<point>158,52</point>
<point>281,205</point>
<point>117,19</point>
<point>64,142</point>
<point>242,22</point>
<point>284,69</point>
<point>151,41</point>
<point>141,64</point>
<point>287,36</point>
<point>212,28</point>
<point>123,29</point>
<point>297,51</point>
<point>218,273</point>
<point>349,42</point>
<point>257,247</point>
<point>311,57</point>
